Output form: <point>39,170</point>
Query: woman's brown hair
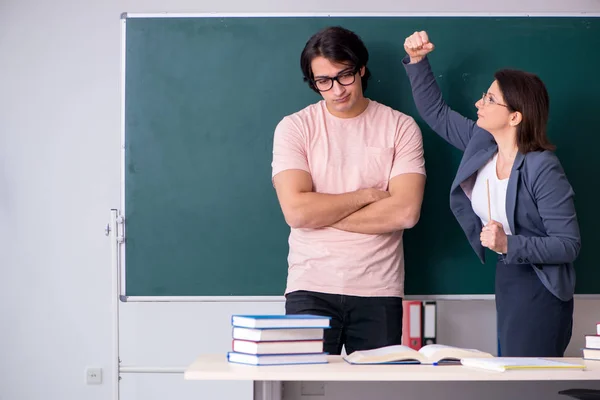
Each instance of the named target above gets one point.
<point>526,93</point>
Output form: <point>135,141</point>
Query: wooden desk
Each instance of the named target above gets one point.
<point>216,367</point>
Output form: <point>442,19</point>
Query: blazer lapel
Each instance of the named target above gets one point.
<point>511,191</point>
<point>473,164</point>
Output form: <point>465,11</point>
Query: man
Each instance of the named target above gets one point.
<point>349,175</point>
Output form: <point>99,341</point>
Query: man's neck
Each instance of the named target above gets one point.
<point>360,107</point>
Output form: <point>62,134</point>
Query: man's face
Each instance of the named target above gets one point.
<point>343,99</point>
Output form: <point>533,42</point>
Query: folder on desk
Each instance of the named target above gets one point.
<point>429,322</point>
<point>411,324</point>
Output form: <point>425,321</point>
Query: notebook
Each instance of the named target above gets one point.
<point>517,363</point>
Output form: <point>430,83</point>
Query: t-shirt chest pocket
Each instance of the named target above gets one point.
<point>377,167</point>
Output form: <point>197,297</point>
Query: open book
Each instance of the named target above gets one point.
<point>400,354</point>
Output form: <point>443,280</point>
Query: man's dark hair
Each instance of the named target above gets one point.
<point>339,45</point>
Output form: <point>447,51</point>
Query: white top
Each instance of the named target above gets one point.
<point>479,199</point>
<point>215,367</point>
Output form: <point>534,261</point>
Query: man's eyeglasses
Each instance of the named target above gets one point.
<point>344,78</point>
<point>487,99</point>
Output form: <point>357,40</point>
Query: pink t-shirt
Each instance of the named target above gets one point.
<point>343,155</point>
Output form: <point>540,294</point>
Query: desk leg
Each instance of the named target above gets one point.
<point>267,390</point>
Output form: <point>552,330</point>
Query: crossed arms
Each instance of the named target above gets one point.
<point>368,211</point>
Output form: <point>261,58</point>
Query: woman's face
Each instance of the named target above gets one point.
<point>492,112</point>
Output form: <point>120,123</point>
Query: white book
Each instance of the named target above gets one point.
<point>272,335</point>
<point>280,321</point>
<point>306,346</point>
<point>591,354</point>
<point>592,341</point>
<point>279,359</point>
<point>517,363</point>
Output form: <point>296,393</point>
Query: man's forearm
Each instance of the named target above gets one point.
<point>381,217</point>
<point>317,210</point>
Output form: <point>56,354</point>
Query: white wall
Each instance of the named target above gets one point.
<point>59,177</point>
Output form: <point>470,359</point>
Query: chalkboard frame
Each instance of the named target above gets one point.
<point>122,243</point>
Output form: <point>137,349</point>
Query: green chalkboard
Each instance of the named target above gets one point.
<point>202,99</point>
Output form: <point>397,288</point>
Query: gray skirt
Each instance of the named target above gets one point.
<point>532,322</point>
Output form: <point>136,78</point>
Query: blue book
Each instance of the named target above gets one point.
<point>280,321</point>
<point>276,359</point>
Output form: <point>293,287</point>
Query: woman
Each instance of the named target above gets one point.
<point>528,217</point>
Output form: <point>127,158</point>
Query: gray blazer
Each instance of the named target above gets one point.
<point>539,199</point>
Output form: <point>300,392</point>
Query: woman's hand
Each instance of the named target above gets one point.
<point>417,46</point>
<point>493,237</point>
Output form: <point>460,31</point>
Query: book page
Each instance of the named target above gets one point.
<point>384,354</point>
<point>437,352</point>
<point>430,350</point>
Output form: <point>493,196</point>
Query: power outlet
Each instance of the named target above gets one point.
<point>93,376</point>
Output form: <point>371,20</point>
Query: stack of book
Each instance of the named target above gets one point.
<point>591,351</point>
<point>278,339</point>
